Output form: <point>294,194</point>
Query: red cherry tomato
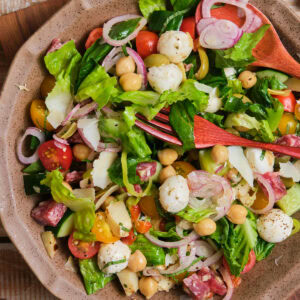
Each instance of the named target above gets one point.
<point>146,43</point>
<point>93,37</point>
<point>251,262</point>
<point>188,25</point>
<point>289,102</point>
<point>236,281</point>
<point>53,157</point>
<point>142,226</point>
<point>128,240</point>
<point>83,250</point>
<point>135,212</point>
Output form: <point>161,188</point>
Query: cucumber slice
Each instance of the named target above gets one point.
<point>65,226</point>
<point>290,203</point>
<point>155,177</point>
<point>270,73</point>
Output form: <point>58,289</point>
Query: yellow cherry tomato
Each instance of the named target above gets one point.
<point>261,200</point>
<point>287,124</point>
<point>102,230</point>
<point>297,111</point>
<point>47,85</point>
<point>148,207</point>
<point>183,168</point>
<point>38,113</point>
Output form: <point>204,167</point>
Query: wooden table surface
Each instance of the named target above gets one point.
<point>16,279</point>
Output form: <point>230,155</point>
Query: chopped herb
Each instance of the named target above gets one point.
<point>114,263</point>
<point>125,50</point>
<point>124,228</point>
<point>262,156</point>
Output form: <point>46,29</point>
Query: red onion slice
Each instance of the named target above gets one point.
<point>110,147</point>
<point>141,68</point>
<point>62,141</point>
<point>61,146</point>
<point>228,281</point>
<point>208,262</point>
<point>33,131</point>
<point>70,115</point>
<point>188,239</point>
<point>112,58</point>
<point>272,197</point>
<point>203,23</point>
<point>108,25</point>
<point>85,110</point>
<point>105,196</point>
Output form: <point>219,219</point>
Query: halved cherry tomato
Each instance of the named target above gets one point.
<point>146,43</point>
<point>81,249</point>
<point>93,37</point>
<point>261,200</point>
<point>297,111</point>
<point>251,262</point>
<point>142,226</point>
<point>236,281</point>
<point>102,230</point>
<point>188,25</point>
<point>135,212</point>
<point>287,124</point>
<point>53,157</point>
<point>183,168</point>
<point>38,113</point>
<point>148,206</point>
<point>289,102</point>
<point>129,240</point>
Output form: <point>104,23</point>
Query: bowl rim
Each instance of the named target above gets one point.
<point>7,202</point>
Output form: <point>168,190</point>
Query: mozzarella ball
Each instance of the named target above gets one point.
<point>174,194</point>
<point>176,45</point>
<point>114,252</point>
<point>214,102</point>
<point>260,162</point>
<point>275,226</point>
<point>166,77</point>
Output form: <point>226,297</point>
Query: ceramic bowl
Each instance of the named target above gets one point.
<point>74,21</point>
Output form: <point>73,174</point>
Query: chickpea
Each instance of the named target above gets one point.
<point>148,286</point>
<point>81,152</point>
<point>166,172</point>
<point>219,154</point>
<point>131,82</point>
<point>205,227</point>
<point>137,261</point>
<point>248,79</point>
<point>167,156</point>
<point>67,185</point>
<point>107,201</point>
<point>237,214</point>
<point>125,65</point>
<point>47,85</point>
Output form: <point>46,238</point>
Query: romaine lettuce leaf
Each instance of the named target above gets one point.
<point>98,85</point>
<point>214,118</point>
<point>170,235</point>
<point>236,241</point>
<point>240,54</point>
<point>195,215</point>
<point>263,249</point>
<point>183,4</point>
<point>91,58</point>
<point>63,64</point>
<point>147,7</point>
<point>94,279</point>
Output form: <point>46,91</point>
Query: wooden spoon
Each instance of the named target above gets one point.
<point>269,52</point>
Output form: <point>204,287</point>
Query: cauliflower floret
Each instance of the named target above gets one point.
<point>110,254</point>
<point>176,45</point>
<point>259,162</point>
<point>165,77</point>
<point>174,194</point>
<point>275,226</point>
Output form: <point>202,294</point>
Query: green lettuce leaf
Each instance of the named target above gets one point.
<point>169,235</point>
<point>155,255</point>
<point>236,241</point>
<point>147,7</point>
<point>275,114</point>
<point>120,31</point>
<point>164,20</point>
<point>240,54</point>
<point>94,279</point>
<point>183,4</point>
<point>195,215</point>
<point>142,98</point>
<point>64,65</point>
<point>98,85</point>
<point>262,249</point>
<point>91,58</point>
<point>34,168</point>
<point>83,223</point>
<point>214,118</point>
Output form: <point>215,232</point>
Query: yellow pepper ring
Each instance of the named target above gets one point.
<point>204,67</point>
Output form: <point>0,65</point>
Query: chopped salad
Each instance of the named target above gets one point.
<point>150,213</point>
